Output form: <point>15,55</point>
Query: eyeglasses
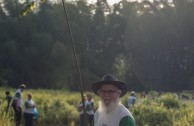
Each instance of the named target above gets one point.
<point>109,92</point>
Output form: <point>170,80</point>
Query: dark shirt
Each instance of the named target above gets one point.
<point>9,98</point>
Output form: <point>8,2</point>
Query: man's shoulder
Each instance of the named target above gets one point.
<point>127,121</point>
<point>122,107</point>
<point>126,117</point>
<point>18,94</point>
<point>124,111</point>
<point>97,112</point>
<point>18,91</point>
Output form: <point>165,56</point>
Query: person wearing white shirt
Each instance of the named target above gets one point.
<point>111,112</point>
<point>29,111</point>
<point>131,100</point>
<point>17,104</point>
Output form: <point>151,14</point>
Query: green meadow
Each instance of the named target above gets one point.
<point>59,108</point>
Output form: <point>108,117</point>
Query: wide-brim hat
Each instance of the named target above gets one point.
<point>110,79</point>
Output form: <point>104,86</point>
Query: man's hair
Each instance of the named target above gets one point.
<point>7,92</point>
<point>29,94</point>
<point>23,86</point>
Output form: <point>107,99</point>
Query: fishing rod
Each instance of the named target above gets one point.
<point>77,65</point>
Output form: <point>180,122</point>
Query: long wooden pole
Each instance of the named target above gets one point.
<point>77,65</point>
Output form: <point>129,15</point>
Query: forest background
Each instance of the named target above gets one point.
<point>149,44</point>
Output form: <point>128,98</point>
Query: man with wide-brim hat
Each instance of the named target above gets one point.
<point>111,112</point>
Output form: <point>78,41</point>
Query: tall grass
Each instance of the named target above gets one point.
<point>59,108</point>
<point>165,111</point>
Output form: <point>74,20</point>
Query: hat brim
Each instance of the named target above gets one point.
<point>119,84</point>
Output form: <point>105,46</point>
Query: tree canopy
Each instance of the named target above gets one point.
<point>149,44</point>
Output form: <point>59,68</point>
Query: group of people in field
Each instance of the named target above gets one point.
<point>110,112</point>
<point>16,103</point>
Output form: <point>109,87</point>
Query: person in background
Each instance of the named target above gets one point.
<point>8,98</point>
<point>29,110</point>
<point>0,105</point>
<point>111,112</point>
<point>193,98</point>
<point>17,104</point>
<point>142,97</point>
<point>81,111</point>
<point>91,111</point>
<point>132,99</point>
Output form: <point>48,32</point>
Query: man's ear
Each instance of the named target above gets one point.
<point>119,93</point>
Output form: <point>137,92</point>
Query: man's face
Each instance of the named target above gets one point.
<point>22,89</point>
<point>109,94</point>
<point>29,96</point>
<point>89,97</point>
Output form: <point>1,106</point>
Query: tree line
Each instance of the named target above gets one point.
<point>149,44</point>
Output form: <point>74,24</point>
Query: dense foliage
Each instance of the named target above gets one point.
<point>59,108</point>
<point>149,45</point>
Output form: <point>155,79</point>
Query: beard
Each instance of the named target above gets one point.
<point>108,108</point>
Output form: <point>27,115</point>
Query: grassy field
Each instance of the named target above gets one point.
<point>59,108</point>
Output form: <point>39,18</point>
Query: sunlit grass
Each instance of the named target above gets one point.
<point>59,108</point>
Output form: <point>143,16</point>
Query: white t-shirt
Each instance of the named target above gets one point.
<point>28,107</point>
<point>131,100</point>
<point>87,107</point>
<point>91,111</point>
<point>112,119</point>
<point>18,97</point>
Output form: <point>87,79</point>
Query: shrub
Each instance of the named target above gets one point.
<point>170,101</point>
<point>59,108</point>
<point>152,115</point>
